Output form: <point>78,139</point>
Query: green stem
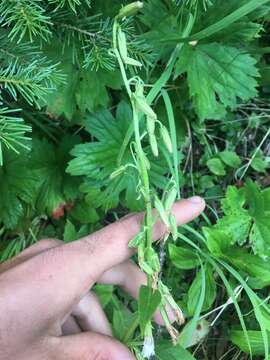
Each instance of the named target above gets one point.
<point>140,152</point>
<point>145,179</point>
<point>157,86</point>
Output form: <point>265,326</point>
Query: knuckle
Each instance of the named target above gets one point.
<point>101,354</point>
<point>49,243</point>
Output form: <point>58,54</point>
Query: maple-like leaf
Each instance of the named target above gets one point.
<point>246,219</point>
<point>83,89</point>
<point>258,209</point>
<point>98,160</point>
<point>218,76</point>
<point>56,187</point>
<point>18,186</point>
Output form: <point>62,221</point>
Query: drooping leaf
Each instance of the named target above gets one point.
<point>200,332</point>
<point>218,241</point>
<point>183,257</point>
<point>253,265</point>
<point>104,293</point>
<point>165,351</point>
<point>148,302</point>
<point>221,242</point>
<point>255,338</point>
<point>195,291</point>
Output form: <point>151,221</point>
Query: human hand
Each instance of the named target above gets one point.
<point>46,309</point>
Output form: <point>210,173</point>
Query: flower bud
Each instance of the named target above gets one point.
<point>130,9</point>
<point>173,227</point>
<point>147,162</point>
<point>117,172</point>
<point>153,260</point>
<point>166,138</point>
<point>150,124</point>
<point>161,211</point>
<point>168,299</point>
<point>170,199</point>
<point>144,107</point>
<point>148,344</point>
<point>153,144</point>
<point>136,240</point>
<point>132,62</point>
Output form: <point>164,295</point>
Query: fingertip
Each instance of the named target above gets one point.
<point>186,210</point>
<point>170,313</point>
<point>197,201</point>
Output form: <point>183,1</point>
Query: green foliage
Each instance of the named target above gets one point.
<point>195,290</point>
<point>148,303</point>
<point>25,18</point>
<point>183,257</point>
<point>12,132</point>
<point>55,186</point>
<point>255,338</point>
<point>166,351</point>
<point>217,76</point>
<point>98,160</point>
<point>70,163</point>
<point>17,187</point>
<point>246,222</point>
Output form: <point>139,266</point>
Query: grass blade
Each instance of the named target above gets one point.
<point>224,23</point>
<point>171,119</point>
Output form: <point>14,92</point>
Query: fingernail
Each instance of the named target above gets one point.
<point>171,314</point>
<point>195,200</point>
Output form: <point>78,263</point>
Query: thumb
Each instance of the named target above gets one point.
<point>92,346</point>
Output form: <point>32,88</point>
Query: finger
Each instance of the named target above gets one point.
<point>70,326</point>
<point>26,254</point>
<point>65,273</point>
<point>91,346</point>
<point>90,315</point>
<point>130,277</point>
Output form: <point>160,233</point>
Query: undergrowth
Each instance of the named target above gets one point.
<point>111,107</point>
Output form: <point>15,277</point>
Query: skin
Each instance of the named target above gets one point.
<point>46,309</point>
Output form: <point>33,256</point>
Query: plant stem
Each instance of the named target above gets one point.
<point>145,182</point>
<point>140,152</point>
<point>155,90</point>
